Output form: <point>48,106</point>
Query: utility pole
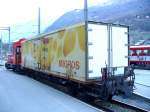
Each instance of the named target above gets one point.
<point>86,36</point>
<point>1,46</point>
<point>39,20</point>
<point>85,12</point>
<point>1,50</point>
<point>9,39</point>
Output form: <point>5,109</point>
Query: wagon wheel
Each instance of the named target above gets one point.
<point>72,89</point>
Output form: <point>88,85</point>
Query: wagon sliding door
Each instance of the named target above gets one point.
<point>119,46</point>
<point>97,49</point>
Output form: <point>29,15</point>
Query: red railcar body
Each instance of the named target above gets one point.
<point>14,59</point>
<point>140,56</point>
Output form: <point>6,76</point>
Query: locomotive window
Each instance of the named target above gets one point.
<point>138,52</point>
<point>18,50</point>
<point>14,50</point>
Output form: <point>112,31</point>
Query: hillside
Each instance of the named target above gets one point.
<point>133,13</point>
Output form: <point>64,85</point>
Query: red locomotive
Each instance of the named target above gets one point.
<point>14,59</point>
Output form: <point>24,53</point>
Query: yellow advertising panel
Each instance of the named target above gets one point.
<point>61,52</point>
<point>27,54</point>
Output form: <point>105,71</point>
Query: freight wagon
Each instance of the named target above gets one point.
<point>91,60</point>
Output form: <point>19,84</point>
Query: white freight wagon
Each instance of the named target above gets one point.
<point>94,55</point>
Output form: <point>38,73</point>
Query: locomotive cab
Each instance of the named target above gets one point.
<point>14,60</point>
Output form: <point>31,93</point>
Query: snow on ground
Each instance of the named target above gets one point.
<point>142,83</point>
<point>142,90</point>
<point>142,77</point>
<point>22,94</point>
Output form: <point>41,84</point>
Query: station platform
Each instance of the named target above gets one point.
<point>22,94</point>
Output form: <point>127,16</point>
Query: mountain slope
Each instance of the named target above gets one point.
<point>133,13</point>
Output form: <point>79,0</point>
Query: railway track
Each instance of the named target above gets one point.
<point>130,104</point>
<point>117,104</point>
<point>135,103</point>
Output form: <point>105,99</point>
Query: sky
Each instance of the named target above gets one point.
<point>14,12</point>
<point>18,11</point>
